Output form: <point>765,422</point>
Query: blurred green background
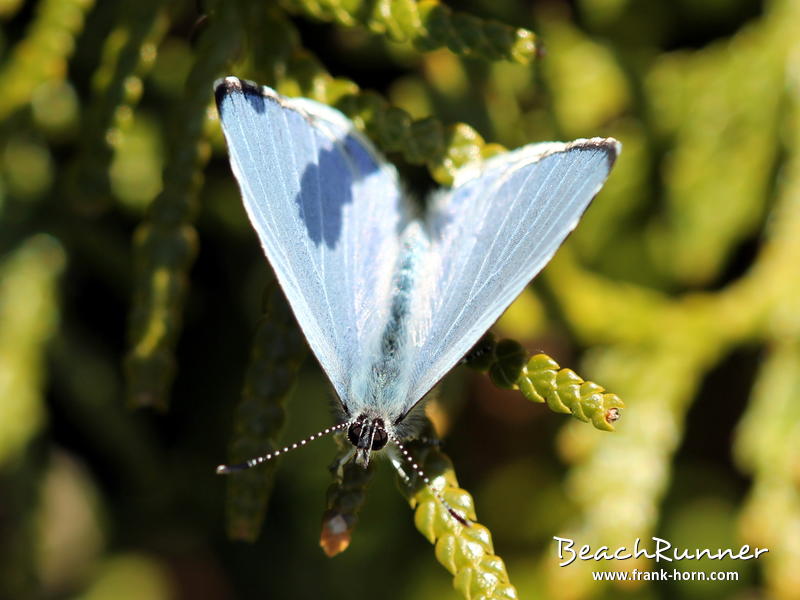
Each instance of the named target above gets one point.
<point>132,287</point>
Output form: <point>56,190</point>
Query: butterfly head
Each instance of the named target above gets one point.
<point>367,434</point>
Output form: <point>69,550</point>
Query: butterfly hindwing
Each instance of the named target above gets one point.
<point>328,212</point>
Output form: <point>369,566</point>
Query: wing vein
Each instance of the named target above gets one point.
<point>477,278</point>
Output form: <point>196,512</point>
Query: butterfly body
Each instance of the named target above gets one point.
<point>382,383</point>
<point>389,303</point>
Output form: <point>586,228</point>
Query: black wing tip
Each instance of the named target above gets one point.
<point>227,86</point>
<point>610,146</point>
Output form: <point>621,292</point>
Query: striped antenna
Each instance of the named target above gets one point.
<point>418,470</point>
<point>227,469</point>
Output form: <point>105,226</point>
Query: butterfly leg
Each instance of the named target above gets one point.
<point>337,466</point>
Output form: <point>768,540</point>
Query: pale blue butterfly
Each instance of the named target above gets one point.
<point>389,302</point>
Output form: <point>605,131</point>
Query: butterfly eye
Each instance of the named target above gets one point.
<point>380,439</point>
<point>360,437</point>
<point>354,433</point>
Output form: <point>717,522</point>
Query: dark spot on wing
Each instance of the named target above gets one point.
<point>325,189</point>
<point>326,184</point>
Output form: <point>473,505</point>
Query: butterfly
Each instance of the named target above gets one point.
<point>389,300</point>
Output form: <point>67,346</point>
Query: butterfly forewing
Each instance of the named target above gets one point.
<point>328,212</point>
<point>490,235</point>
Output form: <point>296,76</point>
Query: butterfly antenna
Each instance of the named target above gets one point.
<point>419,472</point>
<point>227,469</point>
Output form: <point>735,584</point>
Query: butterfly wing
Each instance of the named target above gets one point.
<point>327,210</point>
<point>490,235</point>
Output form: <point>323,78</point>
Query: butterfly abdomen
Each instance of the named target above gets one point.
<point>383,390</point>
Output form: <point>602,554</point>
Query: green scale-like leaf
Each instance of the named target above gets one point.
<point>541,379</point>
<point>466,550</point>
<point>277,353</point>
<point>43,53</point>
<point>165,245</point>
<point>129,52</point>
<point>345,497</point>
<point>428,25</point>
